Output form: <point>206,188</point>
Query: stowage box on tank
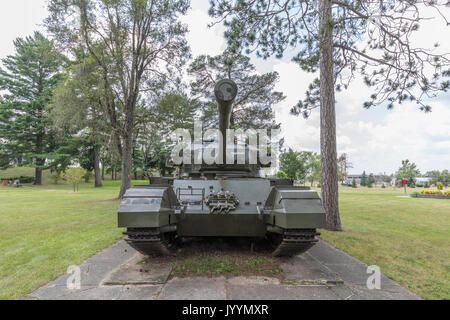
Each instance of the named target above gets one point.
<point>221,200</point>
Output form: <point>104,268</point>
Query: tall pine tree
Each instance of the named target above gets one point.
<point>28,78</point>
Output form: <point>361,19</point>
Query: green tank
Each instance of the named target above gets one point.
<point>221,200</point>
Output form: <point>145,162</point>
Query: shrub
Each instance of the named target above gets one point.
<point>383,186</point>
<point>415,194</point>
<point>56,177</point>
<point>87,176</point>
<point>74,176</point>
<point>282,175</point>
<point>439,185</point>
<point>353,183</point>
<point>22,179</point>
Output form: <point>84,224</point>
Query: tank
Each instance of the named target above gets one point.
<point>221,200</point>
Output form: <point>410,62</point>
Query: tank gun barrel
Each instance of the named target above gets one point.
<point>225,91</point>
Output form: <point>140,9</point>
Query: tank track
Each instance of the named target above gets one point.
<point>148,241</point>
<point>295,241</point>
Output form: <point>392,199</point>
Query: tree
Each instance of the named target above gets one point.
<point>74,176</point>
<point>256,95</point>
<point>313,166</point>
<point>335,36</point>
<point>28,77</point>
<point>171,111</point>
<point>370,181</point>
<point>353,183</point>
<point>364,179</point>
<point>408,171</point>
<point>135,43</point>
<point>292,164</point>
<point>78,107</point>
<point>344,165</point>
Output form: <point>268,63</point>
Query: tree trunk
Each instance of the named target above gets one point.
<point>38,177</point>
<point>329,183</point>
<point>39,161</point>
<point>98,180</point>
<point>103,170</point>
<point>127,149</point>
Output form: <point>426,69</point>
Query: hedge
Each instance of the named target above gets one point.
<point>22,179</point>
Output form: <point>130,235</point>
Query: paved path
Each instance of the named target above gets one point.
<point>322,273</point>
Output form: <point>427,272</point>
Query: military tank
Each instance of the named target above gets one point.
<point>221,200</point>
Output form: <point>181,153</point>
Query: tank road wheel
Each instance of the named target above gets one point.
<point>293,242</point>
<point>150,242</point>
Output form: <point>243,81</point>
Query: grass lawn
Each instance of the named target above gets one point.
<point>408,238</point>
<point>43,232</point>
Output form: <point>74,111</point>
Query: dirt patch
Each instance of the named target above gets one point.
<point>214,257</point>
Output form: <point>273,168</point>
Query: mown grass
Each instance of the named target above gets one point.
<point>43,232</point>
<point>409,238</point>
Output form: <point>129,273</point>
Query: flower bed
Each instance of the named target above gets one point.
<point>434,194</point>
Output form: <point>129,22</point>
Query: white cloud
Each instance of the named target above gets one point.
<point>204,40</point>
<point>20,18</point>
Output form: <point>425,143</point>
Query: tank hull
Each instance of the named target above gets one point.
<point>259,207</point>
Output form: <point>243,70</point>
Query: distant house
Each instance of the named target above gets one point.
<point>357,178</point>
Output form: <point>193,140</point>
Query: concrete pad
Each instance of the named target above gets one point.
<point>96,293</point>
<point>253,280</point>
<point>363,293</point>
<point>327,254</point>
<point>54,292</point>
<point>303,270</point>
<point>138,271</point>
<point>199,288</point>
<point>130,278</point>
<point>356,274</point>
<point>142,292</point>
<point>274,292</point>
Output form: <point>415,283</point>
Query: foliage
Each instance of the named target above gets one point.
<point>281,175</point>
<point>137,46</point>
<point>74,176</point>
<point>292,164</point>
<point>439,186</point>
<point>408,171</point>
<point>354,183</point>
<point>379,49</point>
<point>364,179</point>
<point>255,98</point>
<point>442,176</point>
<point>28,78</point>
<point>56,177</point>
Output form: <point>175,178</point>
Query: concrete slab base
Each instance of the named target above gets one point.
<point>322,273</point>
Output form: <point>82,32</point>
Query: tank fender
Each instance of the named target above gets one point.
<point>291,207</point>
<point>148,207</point>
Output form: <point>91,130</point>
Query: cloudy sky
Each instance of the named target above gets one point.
<point>376,140</point>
